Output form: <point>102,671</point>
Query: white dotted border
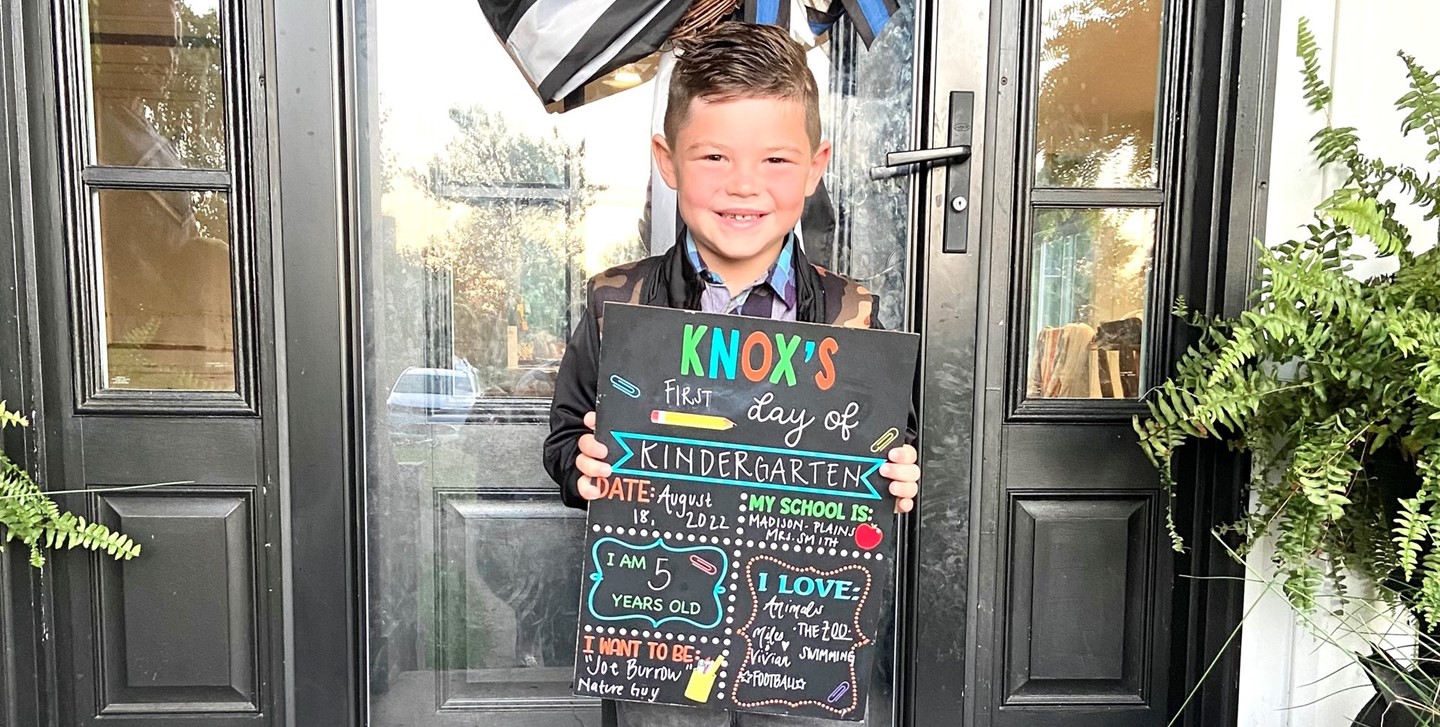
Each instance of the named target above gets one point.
<point>757,544</point>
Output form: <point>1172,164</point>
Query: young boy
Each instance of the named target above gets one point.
<point>742,150</point>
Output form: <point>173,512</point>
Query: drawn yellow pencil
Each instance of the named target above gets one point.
<point>686,419</point>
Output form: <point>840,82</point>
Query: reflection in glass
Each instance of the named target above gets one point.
<point>866,108</point>
<point>165,269</point>
<point>1089,283</point>
<point>481,217</point>
<point>158,91</point>
<point>492,219</point>
<point>1095,118</point>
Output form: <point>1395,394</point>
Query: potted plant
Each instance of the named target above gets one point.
<point>1332,383</point>
<point>28,515</point>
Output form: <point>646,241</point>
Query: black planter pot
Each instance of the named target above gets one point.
<point>1399,692</point>
<point>1403,697</point>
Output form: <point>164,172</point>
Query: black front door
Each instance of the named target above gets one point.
<point>1045,586</point>
<point>136,325</point>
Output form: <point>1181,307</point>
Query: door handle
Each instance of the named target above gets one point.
<point>957,175</point>
<point>959,153</point>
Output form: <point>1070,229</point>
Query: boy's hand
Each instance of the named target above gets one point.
<point>591,462</point>
<point>903,473</point>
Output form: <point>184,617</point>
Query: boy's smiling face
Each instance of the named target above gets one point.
<point>741,169</point>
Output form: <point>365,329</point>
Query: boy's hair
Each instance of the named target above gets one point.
<point>741,60</point>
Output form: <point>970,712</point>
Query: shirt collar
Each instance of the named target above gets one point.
<point>780,278</point>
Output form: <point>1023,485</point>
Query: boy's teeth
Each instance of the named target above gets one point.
<point>742,217</point>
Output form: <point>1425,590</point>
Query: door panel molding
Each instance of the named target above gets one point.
<point>159,652</point>
<point>1079,598</point>
<point>485,533</point>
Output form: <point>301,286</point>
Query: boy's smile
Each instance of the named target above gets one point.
<point>741,169</point>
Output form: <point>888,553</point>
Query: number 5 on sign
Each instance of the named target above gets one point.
<point>660,569</point>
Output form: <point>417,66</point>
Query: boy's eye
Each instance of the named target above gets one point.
<point>778,160</point>
<point>714,158</point>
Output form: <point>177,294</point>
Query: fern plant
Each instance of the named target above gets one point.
<point>1326,375</point>
<point>28,515</point>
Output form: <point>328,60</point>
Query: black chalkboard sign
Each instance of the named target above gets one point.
<point>738,555</point>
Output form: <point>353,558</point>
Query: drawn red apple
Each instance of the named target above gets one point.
<point>868,536</point>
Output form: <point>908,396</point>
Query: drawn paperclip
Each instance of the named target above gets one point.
<point>838,693</point>
<point>624,387</point>
<point>704,565</point>
<point>885,439</point>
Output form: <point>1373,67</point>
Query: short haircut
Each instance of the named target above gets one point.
<point>741,60</point>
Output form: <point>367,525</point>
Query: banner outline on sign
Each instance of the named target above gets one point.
<point>870,494</point>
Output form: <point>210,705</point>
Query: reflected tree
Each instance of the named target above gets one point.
<point>1095,121</point>
<point>1104,264</point>
<point>158,97</point>
<point>514,202</point>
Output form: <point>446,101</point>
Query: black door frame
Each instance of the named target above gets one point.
<point>317,326</point>
<point>317,318</point>
<point>1226,186</point>
<point>27,662</point>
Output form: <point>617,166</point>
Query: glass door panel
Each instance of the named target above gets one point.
<point>481,216</point>
<point>1089,290</point>
<point>1095,117</point>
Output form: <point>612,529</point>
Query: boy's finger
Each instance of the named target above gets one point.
<point>900,472</point>
<point>904,490</point>
<point>587,488</point>
<point>590,420</point>
<point>904,504</point>
<point>592,467</point>
<point>592,447</point>
<point>904,454</point>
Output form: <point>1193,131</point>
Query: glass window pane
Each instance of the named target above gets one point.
<point>1095,119</point>
<point>1089,283</point>
<point>158,92</point>
<point>165,270</point>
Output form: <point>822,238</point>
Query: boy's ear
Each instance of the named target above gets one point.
<point>664,159</point>
<point>818,163</point>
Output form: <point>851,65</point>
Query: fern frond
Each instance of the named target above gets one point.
<point>1324,372</point>
<point>1368,217</point>
<point>1317,93</point>
<point>28,515</point>
<point>1423,103</point>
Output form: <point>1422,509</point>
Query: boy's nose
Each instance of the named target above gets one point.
<point>742,183</point>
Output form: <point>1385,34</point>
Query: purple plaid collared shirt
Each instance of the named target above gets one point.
<point>777,287</point>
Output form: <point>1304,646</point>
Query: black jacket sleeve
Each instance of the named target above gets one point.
<point>574,397</point>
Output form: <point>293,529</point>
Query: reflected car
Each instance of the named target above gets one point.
<point>430,396</point>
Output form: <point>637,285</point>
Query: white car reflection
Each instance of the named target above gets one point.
<point>427,396</point>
